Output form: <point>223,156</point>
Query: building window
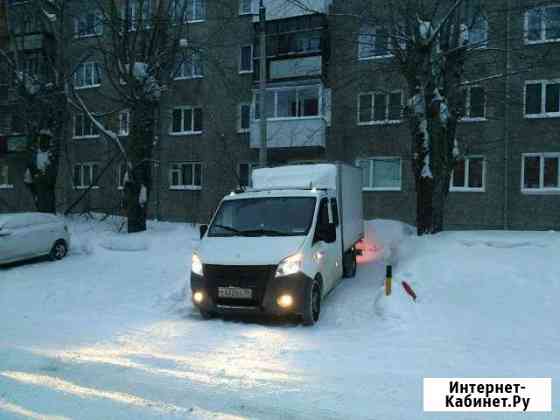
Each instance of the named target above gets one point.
<point>244,172</point>
<point>474,103</point>
<point>244,118</point>
<point>121,175</point>
<point>540,172</point>
<point>190,67</point>
<point>380,107</point>
<point>87,75</point>
<point>542,98</point>
<point>5,177</point>
<point>469,175</point>
<point>381,173</point>
<point>246,59</point>
<point>301,35</point>
<point>187,120</point>
<point>124,123</point>
<point>185,176</point>
<point>542,24</point>
<point>83,127</point>
<point>373,42</point>
<point>189,10</point>
<point>138,12</point>
<point>88,24</point>
<point>284,103</point>
<point>245,7</point>
<point>85,175</point>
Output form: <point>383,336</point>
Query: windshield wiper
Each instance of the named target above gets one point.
<point>265,232</point>
<point>230,229</point>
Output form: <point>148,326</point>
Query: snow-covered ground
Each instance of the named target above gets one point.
<point>107,333</point>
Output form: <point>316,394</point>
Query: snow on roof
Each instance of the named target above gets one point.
<point>296,176</point>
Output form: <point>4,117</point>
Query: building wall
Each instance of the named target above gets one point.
<point>501,138</point>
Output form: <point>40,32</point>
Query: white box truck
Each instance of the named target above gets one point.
<point>281,246</point>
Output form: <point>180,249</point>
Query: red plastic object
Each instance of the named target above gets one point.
<point>409,290</point>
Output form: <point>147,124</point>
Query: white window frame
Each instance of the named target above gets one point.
<point>252,167</point>
<point>120,180</point>
<point>541,189</point>
<point>244,71</point>
<point>542,39</point>
<point>181,74</point>
<point>183,186</point>
<point>134,9</point>
<point>239,117</point>
<point>192,12</point>
<point>381,189</point>
<point>89,166</point>
<point>387,108</point>
<point>467,117</point>
<point>466,188</point>
<point>374,57</point>
<point>543,113</point>
<point>96,69</point>
<point>183,132</point>
<point>124,131</point>
<point>319,88</point>
<point>242,11</point>
<point>98,27</point>
<point>5,177</point>
<point>86,136</point>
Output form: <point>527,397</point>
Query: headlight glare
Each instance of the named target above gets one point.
<point>196,265</point>
<point>290,265</point>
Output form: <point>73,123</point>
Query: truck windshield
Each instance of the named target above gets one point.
<point>274,216</point>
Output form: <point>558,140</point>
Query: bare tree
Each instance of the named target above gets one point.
<point>142,45</point>
<point>36,59</point>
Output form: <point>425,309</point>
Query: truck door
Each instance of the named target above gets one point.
<point>326,254</point>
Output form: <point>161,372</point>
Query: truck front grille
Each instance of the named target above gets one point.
<point>254,277</point>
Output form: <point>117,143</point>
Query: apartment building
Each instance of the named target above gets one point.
<point>333,93</point>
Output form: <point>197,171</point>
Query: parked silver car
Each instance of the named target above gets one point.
<point>29,235</point>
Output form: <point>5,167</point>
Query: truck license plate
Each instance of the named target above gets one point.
<point>235,293</point>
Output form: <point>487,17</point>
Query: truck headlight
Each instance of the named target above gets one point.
<point>196,265</point>
<point>290,265</point>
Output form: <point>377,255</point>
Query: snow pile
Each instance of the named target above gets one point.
<point>382,240</point>
<point>396,307</point>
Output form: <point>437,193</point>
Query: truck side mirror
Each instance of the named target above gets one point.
<point>203,230</point>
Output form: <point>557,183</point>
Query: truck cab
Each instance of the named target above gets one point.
<point>278,248</point>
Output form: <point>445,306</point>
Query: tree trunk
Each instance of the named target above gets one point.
<point>139,151</point>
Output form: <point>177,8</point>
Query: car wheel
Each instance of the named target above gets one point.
<point>349,264</point>
<point>312,309</point>
<point>206,314</point>
<point>59,250</point>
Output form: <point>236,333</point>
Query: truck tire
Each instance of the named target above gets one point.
<point>349,264</point>
<point>312,309</point>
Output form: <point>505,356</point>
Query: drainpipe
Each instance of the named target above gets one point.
<point>263,158</point>
<point>506,130</point>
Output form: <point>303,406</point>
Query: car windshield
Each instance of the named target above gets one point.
<point>273,216</point>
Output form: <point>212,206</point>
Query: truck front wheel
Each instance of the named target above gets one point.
<point>312,309</point>
<point>349,263</point>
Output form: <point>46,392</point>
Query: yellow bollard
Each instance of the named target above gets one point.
<point>388,280</point>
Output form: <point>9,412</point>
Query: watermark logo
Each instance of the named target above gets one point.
<point>488,394</point>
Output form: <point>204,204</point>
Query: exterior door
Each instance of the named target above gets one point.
<point>326,253</point>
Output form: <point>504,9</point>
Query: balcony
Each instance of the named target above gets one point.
<point>288,133</point>
<point>298,115</point>
<point>281,9</point>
